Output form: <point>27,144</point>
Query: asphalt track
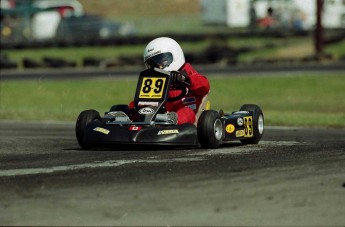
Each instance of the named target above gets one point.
<point>294,177</point>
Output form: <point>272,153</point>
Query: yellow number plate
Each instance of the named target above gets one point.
<point>248,126</point>
<point>152,87</point>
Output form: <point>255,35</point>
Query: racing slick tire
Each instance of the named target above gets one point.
<point>258,123</point>
<point>210,129</point>
<point>83,120</point>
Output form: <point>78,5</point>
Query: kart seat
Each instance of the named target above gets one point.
<point>204,105</point>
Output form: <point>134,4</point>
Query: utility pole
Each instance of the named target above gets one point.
<point>318,36</point>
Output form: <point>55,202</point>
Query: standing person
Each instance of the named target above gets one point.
<point>165,53</point>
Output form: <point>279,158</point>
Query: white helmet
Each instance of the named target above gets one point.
<point>164,53</point>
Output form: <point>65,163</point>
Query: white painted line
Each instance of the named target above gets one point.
<point>105,164</point>
<point>196,156</point>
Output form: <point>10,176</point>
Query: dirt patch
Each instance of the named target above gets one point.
<point>296,51</point>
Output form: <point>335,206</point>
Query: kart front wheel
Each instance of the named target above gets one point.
<point>83,120</point>
<point>210,129</point>
<point>258,123</point>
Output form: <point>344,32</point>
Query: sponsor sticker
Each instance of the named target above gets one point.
<point>146,110</point>
<point>240,133</point>
<point>151,54</point>
<point>134,128</point>
<point>230,128</point>
<point>141,103</point>
<point>166,132</point>
<point>240,121</point>
<point>241,112</point>
<point>101,130</point>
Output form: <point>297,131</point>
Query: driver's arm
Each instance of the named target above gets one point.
<point>199,84</point>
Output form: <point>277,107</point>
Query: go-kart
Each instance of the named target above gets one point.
<point>149,124</point>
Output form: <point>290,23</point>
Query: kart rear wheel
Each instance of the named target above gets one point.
<point>210,129</point>
<point>258,123</point>
<point>83,120</point>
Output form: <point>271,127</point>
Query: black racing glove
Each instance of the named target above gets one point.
<point>180,78</point>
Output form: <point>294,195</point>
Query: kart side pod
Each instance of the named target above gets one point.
<point>246,125</point>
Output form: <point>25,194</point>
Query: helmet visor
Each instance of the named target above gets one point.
<point>160,61</point>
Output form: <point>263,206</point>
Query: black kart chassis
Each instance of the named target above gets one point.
<point>108,133</point>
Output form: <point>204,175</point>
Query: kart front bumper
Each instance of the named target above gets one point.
<point>97,133</point>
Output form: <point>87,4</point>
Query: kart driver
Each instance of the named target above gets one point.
<point>165,53</point>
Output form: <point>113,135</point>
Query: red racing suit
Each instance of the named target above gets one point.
<point>187,107</point>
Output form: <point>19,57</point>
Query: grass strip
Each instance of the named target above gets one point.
<point>308,99</point>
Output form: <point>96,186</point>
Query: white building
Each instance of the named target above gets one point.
<point>287,13</point>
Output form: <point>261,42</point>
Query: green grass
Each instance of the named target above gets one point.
<point>289,100</point>
<point>336,49</point>
<point>299,100</point>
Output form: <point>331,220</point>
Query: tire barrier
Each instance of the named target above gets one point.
<point>216,53</point>
<point>6,63</point>
<point>47,62</point>
<point>135,40</point>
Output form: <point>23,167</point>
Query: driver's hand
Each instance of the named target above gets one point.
<point>180,78</point>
